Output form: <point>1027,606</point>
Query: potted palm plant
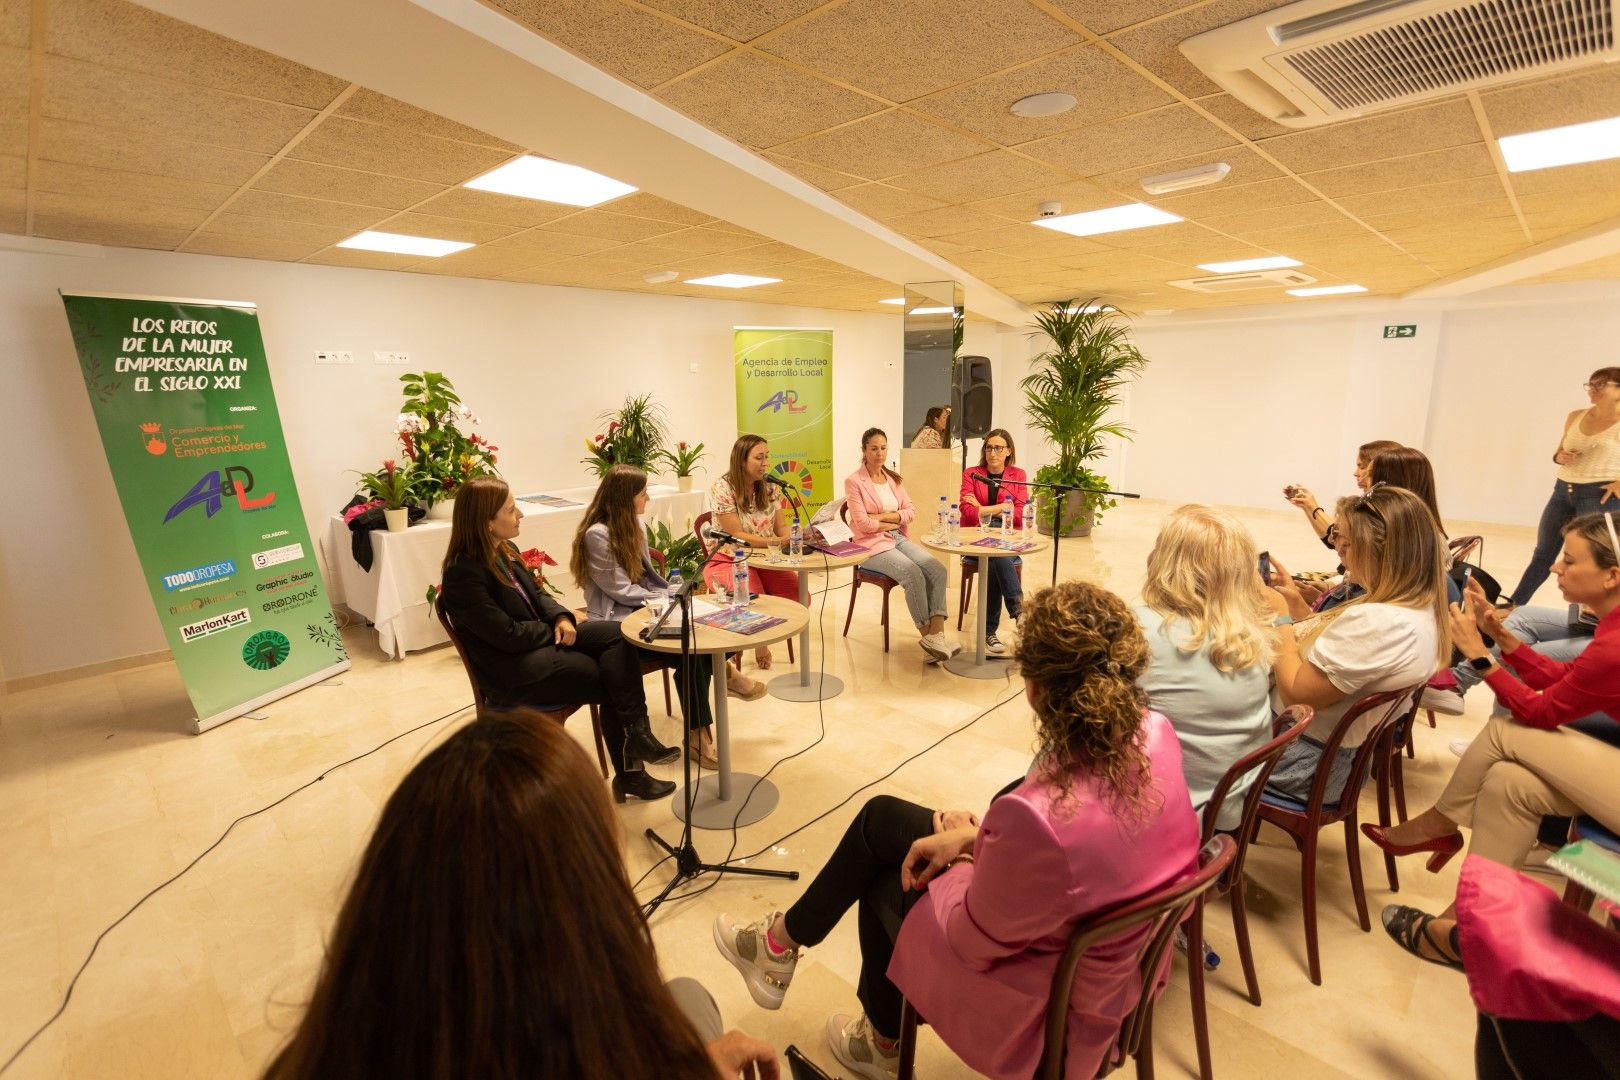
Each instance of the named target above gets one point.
<point>1068,397</point>
<point>635,435</point>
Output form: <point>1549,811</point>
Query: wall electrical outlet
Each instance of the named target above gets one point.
<point>391,357</point>
<point>334,356</point>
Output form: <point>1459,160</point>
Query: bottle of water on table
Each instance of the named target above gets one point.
<point>1006,527</point>
<point>940,527</point>
<point>675,583</point>
<point>953,527</point>
<point>795,541</point>
<point>739,579</point>
<point>1029,521</point>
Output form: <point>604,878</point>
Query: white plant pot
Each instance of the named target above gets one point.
<point>398,520</point>
<point>683,483</point>
<point>443,510</point>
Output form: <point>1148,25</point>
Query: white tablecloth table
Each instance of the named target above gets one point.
<point>393,595</point>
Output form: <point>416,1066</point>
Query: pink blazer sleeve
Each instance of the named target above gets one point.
<point>1016,493</point>
<point>970,486</point>
<point>908,511</point>
<point>860,515</point>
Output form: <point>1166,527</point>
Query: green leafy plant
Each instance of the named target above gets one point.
<point>684,458</point>
<point>1073,387</point>
<point>429,428</point>
<point>635,435</point>
<point>396,484</point>
<point>684,553</point>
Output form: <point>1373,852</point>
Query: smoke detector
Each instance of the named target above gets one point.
<point>1036,106</point>
<point>1260,279</point>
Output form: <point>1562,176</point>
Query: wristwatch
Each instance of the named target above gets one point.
<point>1481,664</point>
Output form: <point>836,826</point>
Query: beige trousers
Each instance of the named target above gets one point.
<point>1512,775</point>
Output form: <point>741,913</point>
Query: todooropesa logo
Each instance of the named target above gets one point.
<point>210,491</point>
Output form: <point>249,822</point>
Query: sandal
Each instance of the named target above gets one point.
<point>1410,929</point>
<point>763,659</point>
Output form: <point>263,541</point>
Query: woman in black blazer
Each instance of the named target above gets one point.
<point>525,647</point>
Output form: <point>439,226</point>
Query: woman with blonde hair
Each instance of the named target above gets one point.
<point>1205,616</point>
<point>744,506</point>
<point>1395,635</point>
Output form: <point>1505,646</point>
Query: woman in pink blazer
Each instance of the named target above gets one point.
<point>879,513</point>
<point>992,493</point>
<point>1103,816</point>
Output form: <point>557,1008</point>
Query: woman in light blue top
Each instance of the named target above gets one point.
<point>1209,627</point>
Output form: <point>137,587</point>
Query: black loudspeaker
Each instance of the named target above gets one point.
<point>971,397</point>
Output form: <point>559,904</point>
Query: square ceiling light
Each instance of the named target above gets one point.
<point>733,281</point>
<point>1572,145</point>
<point>531,177</point>
<point>401,244</point>
<point>1246,266</point>
<point>893,300</point>
<point>1113,219</point>
<point>1328,290</point>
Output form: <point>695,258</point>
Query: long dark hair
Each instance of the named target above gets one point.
<point>477,503</point>
<point>751,494</point>
<point>491,931</point>
<point>1408,468</point>
<point>614,505</point>
<point>929,419</point>
<point>866,437</point>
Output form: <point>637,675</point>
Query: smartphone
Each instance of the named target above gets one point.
<point>1265,567</point>
<point>801,1067</point>
<point>1291,490</point>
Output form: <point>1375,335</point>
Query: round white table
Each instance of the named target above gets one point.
<point>976,665</point>
<point>717,799</point>
<point>801,686</point>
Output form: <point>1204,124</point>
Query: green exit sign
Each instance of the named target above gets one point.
<point>1400,331</point>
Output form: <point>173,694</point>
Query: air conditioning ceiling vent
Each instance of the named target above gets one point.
<point>1318,61</point>
<point>1260,279</point>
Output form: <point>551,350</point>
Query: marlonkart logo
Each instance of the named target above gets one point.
<point>214,624</point>
<point>180,579</point>
<point>235,480</point>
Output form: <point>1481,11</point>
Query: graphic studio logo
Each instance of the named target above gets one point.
<point>152,438</point>
<point>776,401</point>
<point>214,624</point>
<point>265,650</point>
<point>283,582</point>
<point>216,571</point>
<point>208,492</point>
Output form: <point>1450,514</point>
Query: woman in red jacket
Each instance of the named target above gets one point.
<point>992,492</point>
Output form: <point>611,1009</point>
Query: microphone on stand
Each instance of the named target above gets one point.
<point>772,478</point>
<point>721,536</point>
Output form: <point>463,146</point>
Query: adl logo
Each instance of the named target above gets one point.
<point>211,488</point>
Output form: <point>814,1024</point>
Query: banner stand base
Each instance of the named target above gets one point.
<point>198,726</point>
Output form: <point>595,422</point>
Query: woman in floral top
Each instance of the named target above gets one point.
<point>935,433</point>
<point>743,506</point>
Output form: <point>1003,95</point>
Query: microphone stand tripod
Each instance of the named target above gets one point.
<point>688,866</point>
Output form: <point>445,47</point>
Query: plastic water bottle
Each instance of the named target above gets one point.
<point>1006,527</point>
<point>739,579</point>
<point>675,582</point>
<point>953,527</point>
<point>940,526</point>
<point>795,541</point>
<point>1029,521</point>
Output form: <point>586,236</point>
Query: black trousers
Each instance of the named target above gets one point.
<point>865,870</point>
<point>1547,1050</point>
<point>599,668</point>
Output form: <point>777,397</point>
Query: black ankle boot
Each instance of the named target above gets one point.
<point>641,746</point>
<point>640,785</point>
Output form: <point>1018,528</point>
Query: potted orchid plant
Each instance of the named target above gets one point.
<point>683,459</point>
<point>430,429</point>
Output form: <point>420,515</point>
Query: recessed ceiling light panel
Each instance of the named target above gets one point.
<point>1165,183</point>
<point>531,177</point>
<point>893,300</point>
<point>932,311</point>
<point>1035,106</point>
<point>401,244</point>
<point>1328,290</point>
<point>733,281</point>
<point>1572,145</point>
<point>1113,219</point>
<point>1244,266</point>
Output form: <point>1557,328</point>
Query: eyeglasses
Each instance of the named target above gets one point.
<point>1597,384</point>
<point>992,448</point>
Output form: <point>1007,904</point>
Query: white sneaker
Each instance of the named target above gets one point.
<point>1449,702</point>
<point>767,975</point>
<point>856,1049</point>
<point>937,647</point>
<point>1460,746</point>
<point>994,646</point>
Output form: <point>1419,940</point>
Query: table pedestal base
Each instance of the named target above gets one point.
<point>709,811</point>
<point>965,664</point>
<point>790,687</point>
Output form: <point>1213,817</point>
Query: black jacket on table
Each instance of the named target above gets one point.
<point>507,645</point>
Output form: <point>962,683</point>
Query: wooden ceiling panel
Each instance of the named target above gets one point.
<point>311,237</point>
<point>1572,99</point>
<point>1376,138</point>
<point>1482,189</point>
<point>781,104</point>
<point>1242,119</point>
<point>394,151</point>
<point>825,179</point>
<point>276,207</point>
<point>13,171</point>
<point>120,232</point>
<point>983,175</point>
<point>887,144</point>
<point>609,226</point>
<point>490,260</point>
<point>1106,16</point>
<point>739,20</point>
<point>1455,163</point>
<point>460,202</point>
<point>317,181</point>
<point>438,228</point>
<point>82,180</point>
<point>88,210</point>
<point>1075,196</point>
<point>640,204</point>
<point>13,211</point>
<point>14,74</point>
<point>149,153</point>
<point>904,49</point>
<point>1222,201</point>
<point>14,23</point>
<point>1595,179</point>
<point>1154,46</point>
<point>884,203</point>
<point>948,220</point>
<point>704,241</point>
<point>547,246</point>
<point>632,43</point>
<point>378,108</point>
<point>1131,142</point>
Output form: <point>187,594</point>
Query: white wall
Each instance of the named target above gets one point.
<point>537,364</point>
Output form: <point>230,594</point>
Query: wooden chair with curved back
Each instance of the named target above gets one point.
<point>863,576</point>
<point>1161,911</point>
<point>1256,766</point>
<point>1303,821</point>
<point>560,713</point>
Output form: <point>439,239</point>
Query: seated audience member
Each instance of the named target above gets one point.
<point>525,647</point>
<point>611,563</point>
<point>1558,753</point>
<point>1392,636</point>
<point>473,938</point>
<point>744,506</point>
<point>1557,633</point>
<point>879,513</point>
<point>935,433</point>
<point>992,493</point>
<point>1209,627</point>
<point>1301,496</point>
<point>1102,817</point>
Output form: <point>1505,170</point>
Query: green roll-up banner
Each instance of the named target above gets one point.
<point>784,394</point>
<point>182,395</point>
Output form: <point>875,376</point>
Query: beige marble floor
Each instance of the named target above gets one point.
<point>103,797</point>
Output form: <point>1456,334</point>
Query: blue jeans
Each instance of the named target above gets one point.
<point>1547,629</point>
<point>1568,502</point>
<point>1002,584</point>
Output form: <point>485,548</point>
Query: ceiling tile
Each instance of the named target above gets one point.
<point>1155,46</point>
<point>884,145</point>
<point>825,179</point>
<point>609,226</point>
<point>1074,195</point>
<point>13,72</point>
<point>885,203</point>
<point>1451,193</point>
<point>1176,234</point>
<point>13,211</point>
<point>314,180</point>
<point>1244,120</point>
<point>125,100</point>
<point>136,39</point>
<point>117,212</point>
<point>1573,99</point>
<point>641,204</point>
<point>947,220</point>
<point>1129,142</point>
<point>984,175</point>
<point>1455,163</point>
<point>151,153</point>
<point>14,23</point>
<point>13,129</point>
<point>1106,89</point>
<point>782,103</point>
<point>1595,179</point>
<point>1247,167</point>
<point>704,241</point>
<point>277,207</point>
<point>395,152</point>
<point>1219,200</point>
<point>1417,217</point>
<point>13,171</point>
<point>1106,16</point>
<point>83,180</point>
<point>740,20</point>
<point>311,237</point>
<point>1354,142</point>
<point>551,246</point>
<point>633,44</point>
<point>54,226</point>
<point>378,108</point>
<point>460,202</point>
<point>903,49</point>
<point>1278,225</point>
<point>439,228</point>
